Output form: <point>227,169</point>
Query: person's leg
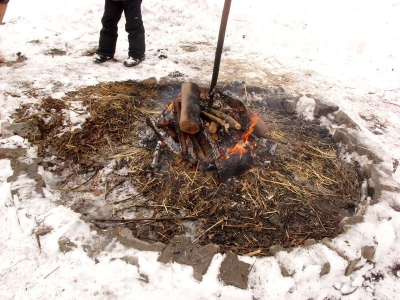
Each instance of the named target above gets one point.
<point>135,29</point>
<point>109,32</point>
<point>3,8</point>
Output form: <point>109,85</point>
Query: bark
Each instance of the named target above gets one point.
<point>233,165</point>
<point>190,108</point>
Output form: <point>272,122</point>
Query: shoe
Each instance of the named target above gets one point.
<point>99,58</point>
<point>131,62</point>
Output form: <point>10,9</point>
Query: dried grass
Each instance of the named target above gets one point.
<point>301,192</point>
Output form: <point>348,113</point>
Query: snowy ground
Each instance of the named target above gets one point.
<point>345,52</point>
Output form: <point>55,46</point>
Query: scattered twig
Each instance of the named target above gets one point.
<point>207,230</point>
<point>125,221</point>
<point>111,189</point>
<point>91,177</point>
<point>51,272</point>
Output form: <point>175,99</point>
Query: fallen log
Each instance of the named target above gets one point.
<point>190,108</point>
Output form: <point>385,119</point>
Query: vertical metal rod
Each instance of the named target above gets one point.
<point>221,37</point>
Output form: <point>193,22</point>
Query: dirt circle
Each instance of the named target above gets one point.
<point>102,168</point>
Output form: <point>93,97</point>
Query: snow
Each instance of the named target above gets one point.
<point>345,52</point>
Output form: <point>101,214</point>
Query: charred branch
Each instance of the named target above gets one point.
<point>181,135</point>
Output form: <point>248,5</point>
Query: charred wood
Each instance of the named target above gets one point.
<point>181,135</point>
<point>233,165</point>
<point>197,148</point>
<point>233,103</point>
<point>156,155</point>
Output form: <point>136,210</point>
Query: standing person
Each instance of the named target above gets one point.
<point>109,33</point>
<point>3,7</point>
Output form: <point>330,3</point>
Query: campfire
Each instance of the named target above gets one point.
<point>253,187</point>
<point>216,133</point>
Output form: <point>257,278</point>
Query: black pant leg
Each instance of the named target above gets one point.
<point>109,32</point>
<point>135,29</point>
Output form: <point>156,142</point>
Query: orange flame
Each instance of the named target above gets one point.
<point>170,106</point>
<point>243,145</point>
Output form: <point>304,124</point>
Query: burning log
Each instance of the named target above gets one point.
<point>260,128</point>
<point>190,108</point>
<point>231,121</point>
<point>196,128</point>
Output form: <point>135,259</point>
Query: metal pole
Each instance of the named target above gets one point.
<point>221,37</point>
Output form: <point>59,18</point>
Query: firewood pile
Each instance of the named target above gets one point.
<point>217,134</point>
<point>126,165</point>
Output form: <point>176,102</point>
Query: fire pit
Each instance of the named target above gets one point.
<point>218,135</point>
<point>274,180</point>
